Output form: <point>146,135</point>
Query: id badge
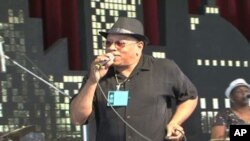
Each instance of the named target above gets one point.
<point>117,98</point>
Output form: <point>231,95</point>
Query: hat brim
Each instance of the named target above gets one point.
<point>230,89</point>
<point>137,36</point>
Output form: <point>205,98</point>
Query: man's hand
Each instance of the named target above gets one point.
<point>100,66</point>
<point>174,132</point>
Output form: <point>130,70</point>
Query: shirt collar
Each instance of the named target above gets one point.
<point>143,63</point>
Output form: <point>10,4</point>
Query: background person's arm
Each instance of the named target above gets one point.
<point>218,132</point>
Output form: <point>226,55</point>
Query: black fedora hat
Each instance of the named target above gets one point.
<point>127,26</point>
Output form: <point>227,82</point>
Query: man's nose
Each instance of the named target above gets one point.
<point>112,48</point>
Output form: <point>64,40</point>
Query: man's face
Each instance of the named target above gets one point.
<point>125,49</point>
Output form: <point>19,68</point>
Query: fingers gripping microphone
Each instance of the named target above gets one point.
<point>2,56</point>
<point>111,57</point>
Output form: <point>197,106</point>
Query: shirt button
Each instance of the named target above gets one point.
<point>128,117</point>
<point>129,137</point>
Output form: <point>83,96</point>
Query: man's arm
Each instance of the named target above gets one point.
<point>183,111</point>
<point>81,105</point>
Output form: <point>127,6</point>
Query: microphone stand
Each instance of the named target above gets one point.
<point>38,77</point>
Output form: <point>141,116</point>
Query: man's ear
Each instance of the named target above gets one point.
<point>141,44</point>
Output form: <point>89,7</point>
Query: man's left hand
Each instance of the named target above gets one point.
<point>174,132</point>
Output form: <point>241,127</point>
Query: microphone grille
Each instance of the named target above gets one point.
<point>111,56</point>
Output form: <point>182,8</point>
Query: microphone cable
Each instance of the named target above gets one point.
<point>184,136</point>
<point>122,119</point>
<point>125,122</point>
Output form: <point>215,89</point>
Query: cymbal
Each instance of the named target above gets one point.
<point>20,132</point>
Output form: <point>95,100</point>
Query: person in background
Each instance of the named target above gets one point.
<point>238,92</point>
<point>130,94</point>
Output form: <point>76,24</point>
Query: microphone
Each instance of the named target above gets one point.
<point>247,96</point>
<point>111,57</point>
<point>2,56</point>
<point>246,99</point>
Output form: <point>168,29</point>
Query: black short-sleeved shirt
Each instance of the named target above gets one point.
<point>153,85</point>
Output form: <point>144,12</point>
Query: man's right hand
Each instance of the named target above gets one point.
<point>100,66</point>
